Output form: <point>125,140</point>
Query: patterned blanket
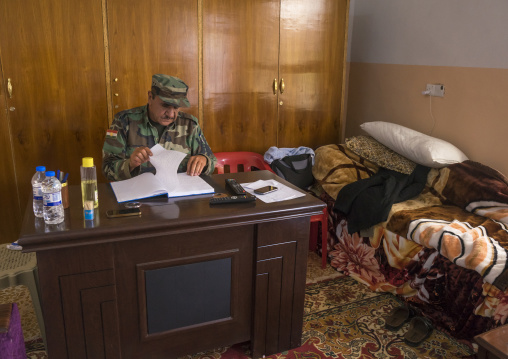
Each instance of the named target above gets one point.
<point>336,166</point>
<point>469,227</point>
<point>462,213</point>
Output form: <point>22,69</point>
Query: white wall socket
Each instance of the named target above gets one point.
<point>436,90</point>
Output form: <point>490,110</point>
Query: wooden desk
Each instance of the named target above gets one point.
<point>493,344</point>
<point>94,278</point>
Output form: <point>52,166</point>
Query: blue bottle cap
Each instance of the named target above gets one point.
<point>40,168</point>
<point>50,173</point>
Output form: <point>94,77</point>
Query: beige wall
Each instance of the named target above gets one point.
<point>396,47</point>
<point>473,114</point>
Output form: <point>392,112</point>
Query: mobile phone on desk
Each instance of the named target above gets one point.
<point>265,190</point>
<point>115,213</point>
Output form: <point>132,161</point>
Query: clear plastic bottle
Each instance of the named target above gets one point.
<point>52,197</point>
<point>37,179</point>
<point>89,187</point>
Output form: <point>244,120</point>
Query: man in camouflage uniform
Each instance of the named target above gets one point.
<point>126,152</point>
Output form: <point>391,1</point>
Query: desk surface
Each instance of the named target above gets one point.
<point>171,214</point>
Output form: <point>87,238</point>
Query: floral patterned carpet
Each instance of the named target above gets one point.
<point>343,319</point>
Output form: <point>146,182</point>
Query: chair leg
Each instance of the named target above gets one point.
<point>324,239</point>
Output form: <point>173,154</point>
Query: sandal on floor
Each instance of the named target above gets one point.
<point>397,317</point>
<point>420,329</point>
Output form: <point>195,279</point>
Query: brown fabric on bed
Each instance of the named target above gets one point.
<point>370,148</point>
<point>457,299</point>
<point>461,236</point>
<point>452,296</point>
<point>335,166</point>
<point>469,182</point>
<point>470,233</point>
<point>399,221</point>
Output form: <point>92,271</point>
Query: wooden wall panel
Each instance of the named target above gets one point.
<point>10,215</point>
<point>312,59</point>
<point>240,61</point>
<point>54,55</point>
<point>149,37</point>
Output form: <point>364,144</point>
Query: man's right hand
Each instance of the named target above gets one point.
<point>139,156</point>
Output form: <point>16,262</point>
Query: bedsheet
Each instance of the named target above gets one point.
<point>458,300</point>
<point>444,251</point>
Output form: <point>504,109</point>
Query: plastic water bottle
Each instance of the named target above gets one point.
<point>52,197</point>
<point>37,179</point>
<point>89,187</point>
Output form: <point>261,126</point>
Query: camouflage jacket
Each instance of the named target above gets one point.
<point>131,129</point>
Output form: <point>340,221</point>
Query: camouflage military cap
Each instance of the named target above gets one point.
<point>171,90</point>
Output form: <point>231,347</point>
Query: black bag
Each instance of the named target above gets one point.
<point>296,169</point>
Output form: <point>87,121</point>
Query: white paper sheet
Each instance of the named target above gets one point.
<point>166,181</point>
<point>283,192</point>
<point>166,164</point>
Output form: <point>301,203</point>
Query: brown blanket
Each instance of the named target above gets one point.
<point>462,213</point>
<point>336,166</point>
<point>470,227</point>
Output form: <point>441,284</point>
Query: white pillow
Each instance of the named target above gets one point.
<point>416,146</point>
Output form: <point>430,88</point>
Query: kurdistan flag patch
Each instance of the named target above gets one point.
<point>111,133</point>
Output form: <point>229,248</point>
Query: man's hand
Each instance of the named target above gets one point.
<point>196,165</point>
<point>139,156</point>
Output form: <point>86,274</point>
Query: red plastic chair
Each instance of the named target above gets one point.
<point>233,162</point>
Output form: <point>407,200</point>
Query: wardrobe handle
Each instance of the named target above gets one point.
<point>9,87</point>
<point>282,86</point>
<point>275,86</point>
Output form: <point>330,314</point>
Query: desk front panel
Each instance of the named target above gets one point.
<point>186,255</point>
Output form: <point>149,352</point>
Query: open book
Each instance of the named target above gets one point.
<point>166,181</point>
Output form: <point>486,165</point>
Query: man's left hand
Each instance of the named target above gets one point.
<point>196,164</point>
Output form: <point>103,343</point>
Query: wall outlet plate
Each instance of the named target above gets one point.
<point>436,90</point>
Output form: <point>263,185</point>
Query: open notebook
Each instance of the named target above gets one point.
<point>165,182</point>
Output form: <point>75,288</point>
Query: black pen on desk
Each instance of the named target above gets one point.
<point>65,178</point>
<point>58,175</point>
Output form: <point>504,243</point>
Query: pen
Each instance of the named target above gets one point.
<point>58,175</point>
<point>65,178</point>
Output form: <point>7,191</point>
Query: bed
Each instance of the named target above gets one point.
<point>440,243</point>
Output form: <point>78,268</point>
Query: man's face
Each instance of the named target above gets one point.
<point>160,111</point>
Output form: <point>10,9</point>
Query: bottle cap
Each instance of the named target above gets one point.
<point>40,168</point>
<point>50,173</point>
<point>87,161</point>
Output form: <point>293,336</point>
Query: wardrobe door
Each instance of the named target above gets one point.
<point>240,62</point>
<point>53,53</point>
<point>312,61</point>
<point>149,37</point>
<point>10,215</point>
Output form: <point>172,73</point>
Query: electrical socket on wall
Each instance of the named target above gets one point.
<point>436,90</point>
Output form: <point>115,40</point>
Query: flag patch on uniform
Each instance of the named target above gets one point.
<point>111,133</point>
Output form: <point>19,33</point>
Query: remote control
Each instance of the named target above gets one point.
<point>232,199</point>
<point>235,187</point>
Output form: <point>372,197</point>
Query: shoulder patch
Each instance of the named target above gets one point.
<point>111,133</point>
